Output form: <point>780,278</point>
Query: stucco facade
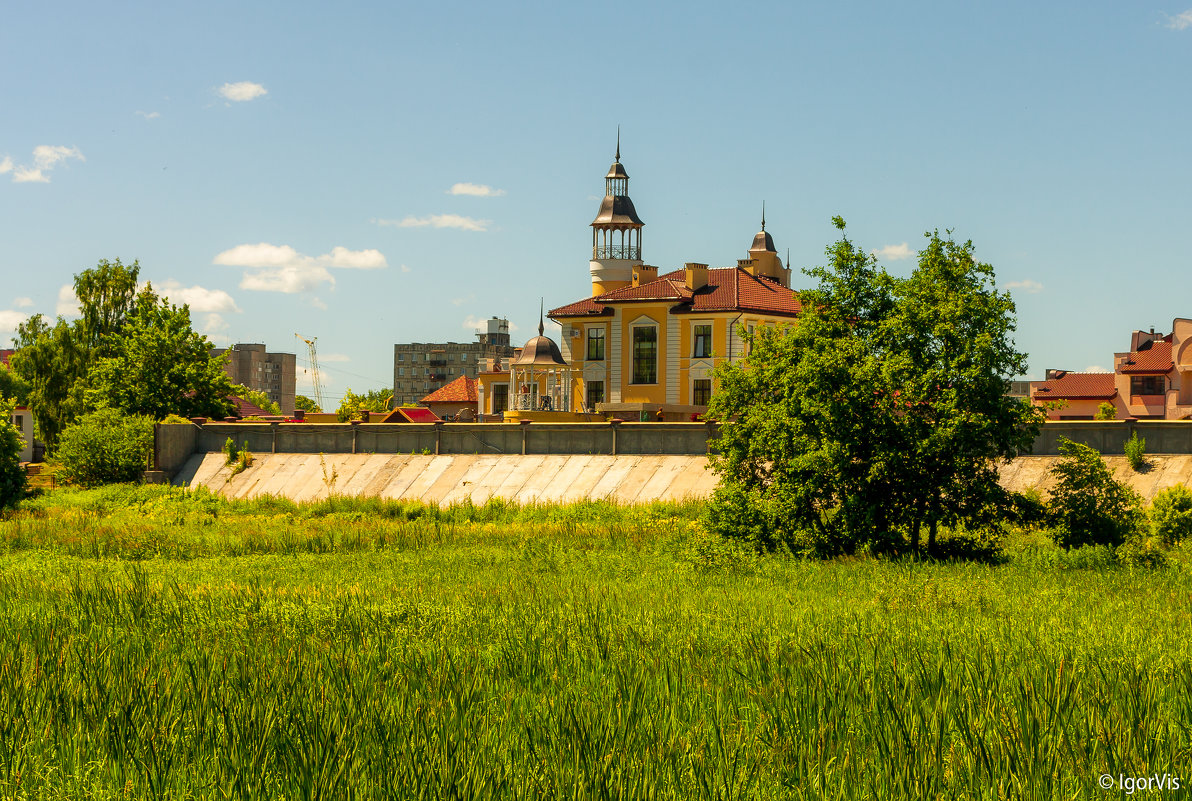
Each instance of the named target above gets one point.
<point>1151,380</point>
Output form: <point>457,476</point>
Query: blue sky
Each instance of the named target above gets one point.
<point>371,173</point>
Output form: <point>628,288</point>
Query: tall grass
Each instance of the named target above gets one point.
<point>537,655</point>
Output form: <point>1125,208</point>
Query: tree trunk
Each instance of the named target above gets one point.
<point>934,524</point>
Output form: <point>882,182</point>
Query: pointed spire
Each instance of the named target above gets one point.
<point>540,328</point>
<point>618,158</point>
<point>763,215</point>
<point>788,258</point>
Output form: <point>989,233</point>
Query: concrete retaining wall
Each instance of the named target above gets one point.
<point>457,478</point>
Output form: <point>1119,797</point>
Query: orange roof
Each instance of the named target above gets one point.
<point>461,390</point>
<point>728,289</point>
<point>1155,359</point>
<point>1073,386</point>
<point>5,353</point>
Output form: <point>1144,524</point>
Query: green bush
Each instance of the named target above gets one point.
<point>12,475</point>
<point>105,447</point>
<point>1106,411</point>
<point>1136,451</point>
<point>1088,506</point>
<point>1171,515</point>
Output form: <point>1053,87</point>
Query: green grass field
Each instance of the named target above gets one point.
<point>160,645</point>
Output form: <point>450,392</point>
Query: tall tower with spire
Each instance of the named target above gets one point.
<point>616,232</point>
<point>763,256</point>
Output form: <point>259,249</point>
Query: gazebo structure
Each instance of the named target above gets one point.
<point>541,384</point>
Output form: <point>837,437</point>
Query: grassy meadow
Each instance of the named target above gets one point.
<point>162,644</point>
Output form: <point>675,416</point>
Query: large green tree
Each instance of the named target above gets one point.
<point>374,400</point>
<point>160,365</point>
<point>881,410</point>
<point>12,475</point>
<point>54,359</point>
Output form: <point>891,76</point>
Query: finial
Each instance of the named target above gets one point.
<point>763,215</point>
<point>540,328</point>
<point>788,258</point>
<point>618,144</point>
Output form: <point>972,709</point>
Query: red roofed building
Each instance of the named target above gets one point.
<point>1151,380</point>
<point>5,355</point>
<point>645,343</point>
<point>453,400</point>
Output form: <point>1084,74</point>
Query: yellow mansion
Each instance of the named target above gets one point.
<point>643,342</point>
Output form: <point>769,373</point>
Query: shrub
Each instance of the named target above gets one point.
<point>174,420</point>
<point>12,475</point>
<point>1106,411</point>
<point>1088,506</point>
<point>1171,515</point>
<point>1136,451</point>
<point>105,447</point>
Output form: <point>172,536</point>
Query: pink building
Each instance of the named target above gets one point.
<point>1151,380</point>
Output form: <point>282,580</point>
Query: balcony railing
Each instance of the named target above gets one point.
<point>633,252</point>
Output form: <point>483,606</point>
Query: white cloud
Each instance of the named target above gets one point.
<point>149,115</point>
<point>461,301</point>
<point>355,259</point>
<point>439,221</point>
<point>28,175</point>
<point>894,252</point>
<point>405,269</point>
<point>45,158</point>
<point>318,304</point>
<point>1180,21</point>
<point>22,303</point>
<point>335,357</point>
<point>475,190</point>
<point>1027,285</point>
<point>9,320</point>
<point>214,324</point>
<point>1096,368</point>
<point>68,303</point>
<point>281,268</point>
<point>242,91</point>
<point>200,299</point>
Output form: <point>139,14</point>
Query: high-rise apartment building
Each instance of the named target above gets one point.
<point>419,368</point>
<point>256,368</point>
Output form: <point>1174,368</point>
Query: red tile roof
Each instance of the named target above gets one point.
<point>1155,359</point>
<point>246,409</point>
<point>461,390</point>
<point>1073,386</point>
<point>411,414</point>
<point>5,353</point>
<point>728,289</point>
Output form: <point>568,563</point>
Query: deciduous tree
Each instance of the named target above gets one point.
<point>881,410</point>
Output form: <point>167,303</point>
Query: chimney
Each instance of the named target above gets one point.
<point>644,274</point>
<point>695,275</point>
<point>748,265</point>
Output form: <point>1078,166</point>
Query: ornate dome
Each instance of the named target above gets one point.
<point>763,241</point>
<point>540,351</point>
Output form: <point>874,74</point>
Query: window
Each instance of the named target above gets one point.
<point>645,355</point>
<point>500,398</point>
<point>1146,385</point>
<point>18,420</point>
<point>701,391</point>
<point>401,357</point>
<point>595,394</point>
<point>595,344</point>
<point>703,341</point>
<point>401,371</point>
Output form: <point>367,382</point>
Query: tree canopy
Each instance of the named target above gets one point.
<point>374,400</point>
<point>882,410</point>
<point>159,365</point>
<point>59,361</point>
<point>306,404</point>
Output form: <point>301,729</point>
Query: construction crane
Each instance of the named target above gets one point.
<point>314,368</point>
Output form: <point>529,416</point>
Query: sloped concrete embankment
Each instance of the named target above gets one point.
<point>552,478</point>
<point>458,478</point>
